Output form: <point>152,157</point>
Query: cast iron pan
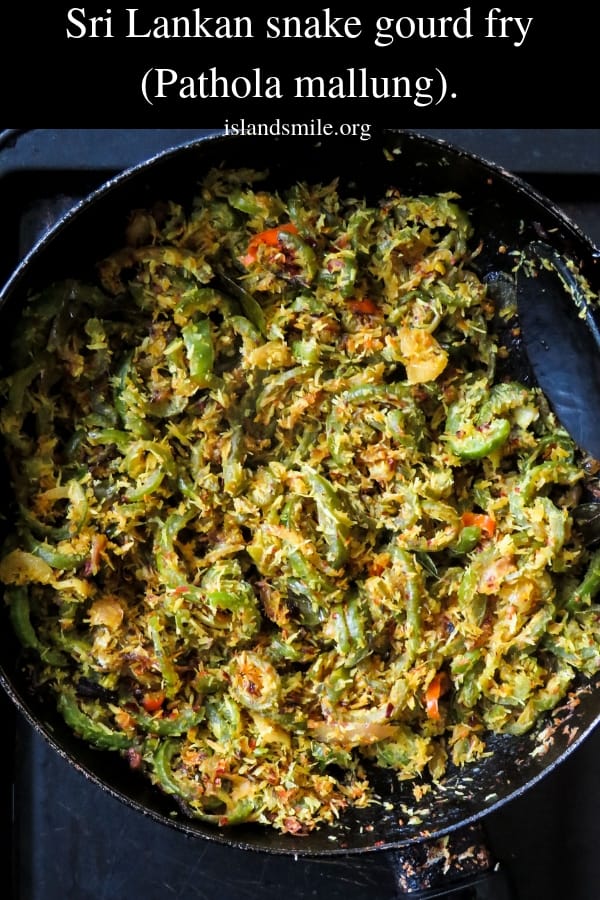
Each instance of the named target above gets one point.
<point>510,215</point>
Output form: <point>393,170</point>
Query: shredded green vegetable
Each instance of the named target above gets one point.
<point>275,515</point>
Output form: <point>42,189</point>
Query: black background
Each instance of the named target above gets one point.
<point>47,79</point>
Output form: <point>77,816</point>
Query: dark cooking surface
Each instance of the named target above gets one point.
<point>73,842</point>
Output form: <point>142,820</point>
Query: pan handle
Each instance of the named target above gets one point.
<point>458,865</point>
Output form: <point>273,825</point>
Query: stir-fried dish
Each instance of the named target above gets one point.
<point>277,519</point>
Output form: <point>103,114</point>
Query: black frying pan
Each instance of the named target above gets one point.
<point>509,214</point>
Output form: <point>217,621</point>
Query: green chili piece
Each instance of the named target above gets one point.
<point>168,564</point>
<point>55,558</point>
<point>78,512</point>
<point>169,726</point>
<point>334,522</point>
<point>339,272</point>
<point>338,438</point>
<point>309,583</point>
<point>90,730</point>
<point>551,472</point>
<point>163,772</point>
<point>76,516</point>
<point>18,404</point>
<point>504,398</point>
<point>276,386</point>
<point>308,302</point>
<point>253,311</point>
<point>121,439</point>
<point>306,352</point>
<point>248,332</point>
<point>302,255</point>
<point>78,649</point>
<point>209,682</point>
<point>587,589</point>
<point>303,448</point>
<point>20,612</point>
<point>405,420</point>
<point>336,683</point>
<point>533,632</point>
<point>557,530</point>
<point>339,629</point>
<point>283,649</point>
<point>136,450</point>
<point>146,485</point>
<point>126,400</point>
<point>477,429</point>
<point>470,689</point>
<point>325,755</point>
<point>20,617</point>
<point>170,677</point>
<point>395,392</point>
<point>468,539</point>
<point>242,811</point>
<point>310,609</point>
<point>307,575</point>
<point>251,307</point>
<point>246,202</point>
<point>546,445</point>
<point>348,622</point>
<point>200,351</point>
<point>234,477</point>
<point>247,620</point>
<point>223,588</point>
<point>413,593</point>
<point>395,426</point>
<point>223,717</point>
<point>475,442</point>
<point>472,603</point>
<point>204,300</point>
<point>465,661</point>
